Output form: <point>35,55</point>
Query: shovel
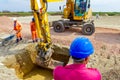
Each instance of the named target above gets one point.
<point>6,40</point>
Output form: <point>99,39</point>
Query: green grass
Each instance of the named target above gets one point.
<point>107,13</point>
<point>25,13</point>
<point>94,13</point>
<point>15,13</point>
<point>55,13</point>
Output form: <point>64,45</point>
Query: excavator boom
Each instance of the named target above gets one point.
<point>45,56</point>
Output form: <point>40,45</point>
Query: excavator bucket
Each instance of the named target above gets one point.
<point>59,56</point>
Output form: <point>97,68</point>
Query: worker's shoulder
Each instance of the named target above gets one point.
<point>87,74</point>
<point>18,22</point>
<point>59,67</point>
<point>93,72</point>
<point>32,22</point>
<point>57,70</point>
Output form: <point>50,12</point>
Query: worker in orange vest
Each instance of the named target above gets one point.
<point>33,30</point>
<point>17,28</point>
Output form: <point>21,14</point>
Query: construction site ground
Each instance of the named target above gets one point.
<point>106,41</point>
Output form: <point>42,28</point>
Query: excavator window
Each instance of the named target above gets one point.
<point>80,7</point>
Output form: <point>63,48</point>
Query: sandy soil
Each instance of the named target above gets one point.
<point>106,41</point>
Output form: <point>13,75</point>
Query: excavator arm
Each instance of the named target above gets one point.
<point>39,8</point>
<point>45,52</point>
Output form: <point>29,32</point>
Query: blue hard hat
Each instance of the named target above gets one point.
<point>33,19</point>
<point>81,48</point>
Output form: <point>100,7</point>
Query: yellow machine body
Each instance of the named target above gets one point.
<point>77,12</point>
<point>45,57</point>
<point>71,6</point>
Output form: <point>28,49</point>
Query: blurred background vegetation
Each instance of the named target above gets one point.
<point>8,13</point>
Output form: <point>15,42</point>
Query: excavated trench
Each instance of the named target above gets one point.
<point>22,57</point>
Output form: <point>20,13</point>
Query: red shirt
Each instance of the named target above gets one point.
<point>76,72</point>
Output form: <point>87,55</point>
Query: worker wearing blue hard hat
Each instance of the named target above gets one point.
<point>33,31</point>
<point>80,50</point>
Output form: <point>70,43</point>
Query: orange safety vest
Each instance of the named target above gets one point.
<point>17,26</point>
<point>33,27</point>
<point>33,31</point>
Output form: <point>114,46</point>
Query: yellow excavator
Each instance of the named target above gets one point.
<point>46,57</point>
<point>76,13</point>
